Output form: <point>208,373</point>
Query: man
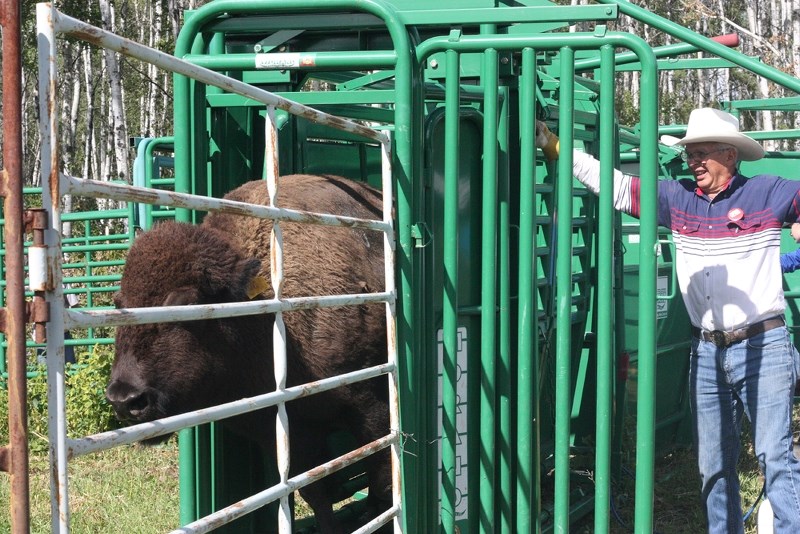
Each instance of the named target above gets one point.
<point>726,228</point>
<point>790,261</point>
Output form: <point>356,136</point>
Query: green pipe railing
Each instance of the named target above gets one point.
<point>605,292</point>
<point>450,294</point>
<point>645,416</point>
<point>564,219</point>
<point>488,372</point>
<point>528,480</point>
<point>563,401</point>
<point>659,52</point>
<point>81,248</point>
<point>372,59</point>
<point>505,453</point>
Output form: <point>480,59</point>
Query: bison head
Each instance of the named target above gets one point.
<point>169,368</point>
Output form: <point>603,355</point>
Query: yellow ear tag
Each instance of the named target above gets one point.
<point>257,286</point>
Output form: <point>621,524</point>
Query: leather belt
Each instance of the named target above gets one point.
<point>723,339</point>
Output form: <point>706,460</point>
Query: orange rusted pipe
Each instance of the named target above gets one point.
<point>16,455</point>
<point>731,40</point>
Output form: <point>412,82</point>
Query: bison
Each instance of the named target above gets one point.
<point>169,368</point>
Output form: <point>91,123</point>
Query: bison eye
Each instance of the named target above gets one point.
<point>183,296</point>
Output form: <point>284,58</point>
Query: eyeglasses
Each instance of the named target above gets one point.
<point>700,155</point>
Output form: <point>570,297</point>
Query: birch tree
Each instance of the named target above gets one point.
<point>118,129</point>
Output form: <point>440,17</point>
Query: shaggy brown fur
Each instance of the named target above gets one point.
<point>171,368</point>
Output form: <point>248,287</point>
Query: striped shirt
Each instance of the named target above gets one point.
<point>728,248</point>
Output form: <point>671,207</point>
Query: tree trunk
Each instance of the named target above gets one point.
<point>117,123</point>
<point>90,156</point>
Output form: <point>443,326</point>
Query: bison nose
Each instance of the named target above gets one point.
<point>128,401</point>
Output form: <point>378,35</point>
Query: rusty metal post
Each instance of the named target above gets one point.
<point>16,454</point>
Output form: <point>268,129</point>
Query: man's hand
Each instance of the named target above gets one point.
<point>547,141</point>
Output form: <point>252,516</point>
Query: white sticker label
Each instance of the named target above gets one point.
<point>461,421</point>
<point>287,60</point>
<point>662,306</point>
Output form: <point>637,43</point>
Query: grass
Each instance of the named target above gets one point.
<point>131,489</point>
<point>676,502</point>
<point>134,489</point>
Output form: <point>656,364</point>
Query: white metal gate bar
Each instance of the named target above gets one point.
<point>50,21</point>
<point>128,316</point>
<point>51,201</point>
<point>97,189</point>
<point>152,429</point>
<point>391,330</point>
<point>278,327</point>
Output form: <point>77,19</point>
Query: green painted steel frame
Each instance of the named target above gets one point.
<point>649,174</point>
<point>407,166</point>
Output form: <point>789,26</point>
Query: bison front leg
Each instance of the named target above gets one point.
<point>379,497</point>
<point>319,499</point>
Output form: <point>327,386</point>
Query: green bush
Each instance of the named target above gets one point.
<point>87,410</point>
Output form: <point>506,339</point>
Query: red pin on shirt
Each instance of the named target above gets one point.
<point>735,214</point>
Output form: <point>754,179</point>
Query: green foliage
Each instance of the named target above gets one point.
<point>627,109</point>
<point>678,104</point>
<point>87,410</point>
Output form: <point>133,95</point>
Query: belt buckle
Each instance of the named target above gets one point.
<point>719,338</point>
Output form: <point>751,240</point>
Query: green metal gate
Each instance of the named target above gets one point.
<point>479,338</point>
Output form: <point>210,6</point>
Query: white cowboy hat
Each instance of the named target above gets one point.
<point>712,125</point>
<point>669,140</point>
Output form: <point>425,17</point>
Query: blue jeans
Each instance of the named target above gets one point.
<point>754,378</point>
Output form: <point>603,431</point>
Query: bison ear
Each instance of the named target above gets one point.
<point>229,281</point>
<point>249,282</point>
<point>183,296</point>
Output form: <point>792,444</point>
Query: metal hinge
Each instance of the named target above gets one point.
<point>37,311</point>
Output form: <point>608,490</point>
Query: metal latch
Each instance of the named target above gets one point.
<point>421,234</point>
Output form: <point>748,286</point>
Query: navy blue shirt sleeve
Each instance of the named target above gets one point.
<point>790,261</point>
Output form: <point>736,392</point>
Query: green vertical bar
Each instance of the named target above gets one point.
<point>450,292</point>
<point>528,496</point>
<point>488,391</point>
<point>564,291</point>
<point>150,167</point>
<point>186,476</point>
<point>183,151</point>
<point>605,320</point>
<point>182,125</point>
<point>504,376</point>
<point>216,47</point>
<point>646,409</point>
